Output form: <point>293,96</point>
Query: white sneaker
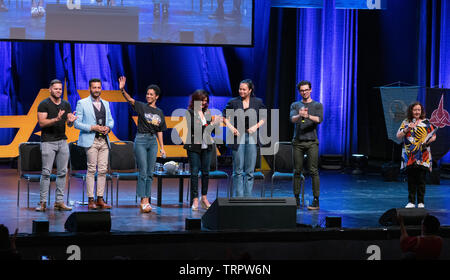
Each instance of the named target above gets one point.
<point>420,205</point>
<point>41,11</point>
<point>410,205</point>
<point>34,12</point>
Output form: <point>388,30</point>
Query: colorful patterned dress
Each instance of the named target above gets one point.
<point>414,152</point>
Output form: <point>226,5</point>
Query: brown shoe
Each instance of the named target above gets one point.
<point>61,206</point>
<point>42,207</point>
<point>101,203</point>
<point>91,204</point>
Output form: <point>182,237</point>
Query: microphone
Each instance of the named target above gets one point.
<point>303,118</point>
<point>100,122</point>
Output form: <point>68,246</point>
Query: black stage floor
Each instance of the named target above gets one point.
<point>359,200</point>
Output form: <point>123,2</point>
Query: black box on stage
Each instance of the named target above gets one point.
<point>251,213</point>
<point>333,222</point>
<point>40,226</point>
<point>411,216</point>
<point>331,162</point>
<point>192,224</point>
<point>99,221</point>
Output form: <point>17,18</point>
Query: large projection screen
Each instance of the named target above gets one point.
<point>187,22</point>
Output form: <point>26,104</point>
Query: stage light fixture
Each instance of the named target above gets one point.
<point>359,163</point>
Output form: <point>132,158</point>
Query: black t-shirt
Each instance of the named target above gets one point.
<point>57,131</point>
<point>150,119</point>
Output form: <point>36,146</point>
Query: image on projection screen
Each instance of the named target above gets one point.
<point>196,22</point>
<point>338,4</point>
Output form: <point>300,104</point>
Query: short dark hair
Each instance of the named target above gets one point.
<point>250,85</point>
<point>302,83</point>
<point>94,80</point>
<point>431,224</point>
<point>409,113</point>
<point>55,81</point>
<point>155,88</point>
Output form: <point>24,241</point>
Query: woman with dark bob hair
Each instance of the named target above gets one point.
<point>199,144</point>
<point>417,133</point>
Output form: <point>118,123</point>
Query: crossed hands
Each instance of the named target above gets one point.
<point>101,129</point>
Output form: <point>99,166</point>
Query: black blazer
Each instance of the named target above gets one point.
<point>193,119</point>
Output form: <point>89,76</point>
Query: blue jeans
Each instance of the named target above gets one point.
<point>146,150</point>
<point>58,150</point>
<point>244,161</point>
<point>199,162</point>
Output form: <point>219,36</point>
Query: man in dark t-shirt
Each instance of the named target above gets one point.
<point>53,113</point>
<point>306,114</point>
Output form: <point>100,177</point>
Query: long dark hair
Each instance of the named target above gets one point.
<point>409,113</point>
<point>250,85</point>
<point>199,95</point>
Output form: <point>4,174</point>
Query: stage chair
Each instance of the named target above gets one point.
<point>123,163</point>
<point>257,175</point>
<point>29,167</point>
<point>213,172</point>
<point>78,168</point>
<point>283,167</point>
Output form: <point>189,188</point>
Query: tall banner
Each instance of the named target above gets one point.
<point>437,107</point>
<point>395,103</point>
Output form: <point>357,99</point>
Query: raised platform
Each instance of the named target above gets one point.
<point>358,200</point>
<point>300,244</point>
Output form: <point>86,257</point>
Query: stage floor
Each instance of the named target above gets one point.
<point>359,200</point>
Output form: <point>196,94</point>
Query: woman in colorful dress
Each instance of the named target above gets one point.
<point>417,133</point>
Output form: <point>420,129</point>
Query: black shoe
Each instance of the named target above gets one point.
<point>314,205</point>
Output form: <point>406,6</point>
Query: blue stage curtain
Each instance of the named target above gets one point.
<point>253,61</point>
<point>327,56</point>
<point>443,72</point>
<point>7,99</point>
<point>434,49</point>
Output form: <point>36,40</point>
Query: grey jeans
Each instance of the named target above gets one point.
<point>51,151</point>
